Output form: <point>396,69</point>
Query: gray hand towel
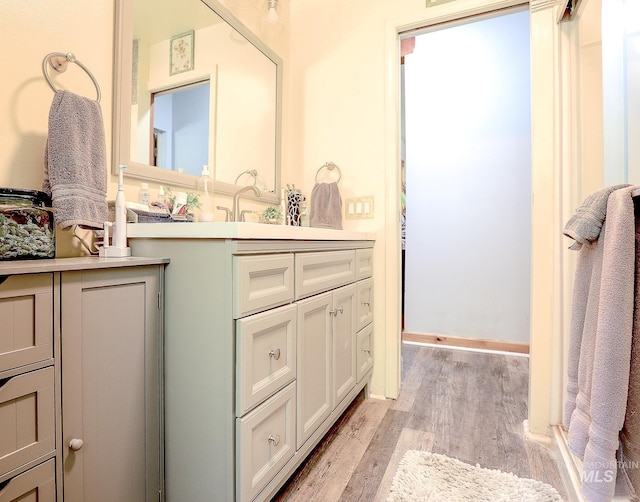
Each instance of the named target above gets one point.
<point>326,206</point>
<point>584,226</point>
<point>75,162</point>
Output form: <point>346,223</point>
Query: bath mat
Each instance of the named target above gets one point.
<point>429,477</point>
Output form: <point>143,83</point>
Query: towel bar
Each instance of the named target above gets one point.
<point>58,61</point>
<point>330,166</point>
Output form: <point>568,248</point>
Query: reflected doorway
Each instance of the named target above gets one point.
<point>180,127</point>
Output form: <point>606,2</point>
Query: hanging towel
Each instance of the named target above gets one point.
<point>630,436</point>
<point>75,162</point>
<point>584,226</point>
<point>600,339</point>
<point>326,206</point>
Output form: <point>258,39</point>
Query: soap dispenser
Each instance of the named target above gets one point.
<point>205,184</point>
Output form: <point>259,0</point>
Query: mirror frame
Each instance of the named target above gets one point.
<point>122,105</point>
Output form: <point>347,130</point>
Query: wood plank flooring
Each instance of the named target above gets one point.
<point>464,404</point>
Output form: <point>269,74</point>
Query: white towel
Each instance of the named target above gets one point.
<point>326,206</point>
<point>75,162</point>
<point>601,327</point>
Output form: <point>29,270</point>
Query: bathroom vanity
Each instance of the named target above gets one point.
<point>80,379</point>
<point>268,339</point>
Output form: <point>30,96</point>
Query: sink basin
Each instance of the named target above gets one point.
<point>240,230</point>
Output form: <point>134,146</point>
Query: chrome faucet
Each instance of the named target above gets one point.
<point>236,200</point>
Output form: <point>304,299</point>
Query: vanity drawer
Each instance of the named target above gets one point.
<point>261,282</point>
<point>319,272</point>
<point>265,355</point>
<point>26,418</point>
<point>365,303</point>
<point>38,483</point>
<point>364,263</point>
<point>26,330</point>
<point>364,347</point>
<point>265,442</point>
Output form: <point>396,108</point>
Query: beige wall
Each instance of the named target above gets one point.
<point>341,84</point>
<point>343,101</point>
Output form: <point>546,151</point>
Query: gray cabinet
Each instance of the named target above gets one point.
<point>27,388</point>
<point>111,394</point>
<point>257,366</point>
<point>80,380</point>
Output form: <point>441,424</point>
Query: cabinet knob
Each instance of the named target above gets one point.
<point>75,444</point>
<point>274,440</point>
<point>275,353</point>
<point>336,311</point>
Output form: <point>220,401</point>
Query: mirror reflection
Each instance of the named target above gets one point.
<point>180,132</point>
<point>201,92</point>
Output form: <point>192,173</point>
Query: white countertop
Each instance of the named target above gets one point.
<point>241,230</point>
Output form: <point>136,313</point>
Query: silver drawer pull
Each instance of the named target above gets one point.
<point>336,311</point>
<point>275,353</point>
<point>274,440</point>
<point>368,351</point>
<point>368,304</point>
<point>75,444</point>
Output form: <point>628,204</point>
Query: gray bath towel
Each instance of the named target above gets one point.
<point>601,328</point>
<point>326,206</point>
<point>584,226</point>
<point>630,436</point>
<point>75,162</point>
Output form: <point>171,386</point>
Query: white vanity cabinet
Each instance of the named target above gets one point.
<point>80,379</point>
<point>261,339</point>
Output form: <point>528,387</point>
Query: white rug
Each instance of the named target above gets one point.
<point>429,477</point>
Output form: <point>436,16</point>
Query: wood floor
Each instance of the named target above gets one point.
<point>464,404</point>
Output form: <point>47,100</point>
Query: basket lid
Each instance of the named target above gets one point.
<point>35,197</point>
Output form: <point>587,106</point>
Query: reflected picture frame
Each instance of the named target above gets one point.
<point>181,50</point>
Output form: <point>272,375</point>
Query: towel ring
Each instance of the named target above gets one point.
<point>330,166</point>
<point>252,172</point>
<point>58,61</point>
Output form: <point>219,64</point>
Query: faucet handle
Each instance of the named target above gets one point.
<point>244,213</point>
<point>227,216</point>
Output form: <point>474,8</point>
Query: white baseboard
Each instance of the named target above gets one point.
<point>567,464</point>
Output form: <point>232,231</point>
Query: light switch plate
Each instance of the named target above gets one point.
<point>359,207</point>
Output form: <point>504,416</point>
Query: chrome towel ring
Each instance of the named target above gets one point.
<point>330,166</point>
<point>58,61</point>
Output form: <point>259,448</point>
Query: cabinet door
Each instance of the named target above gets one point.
<point>344,339</point>
<point>314,367</point>
<point>111,390</point>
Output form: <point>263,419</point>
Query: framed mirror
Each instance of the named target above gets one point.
<point>194,86</point>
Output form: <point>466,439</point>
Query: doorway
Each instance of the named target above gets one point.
<point>467,155</point>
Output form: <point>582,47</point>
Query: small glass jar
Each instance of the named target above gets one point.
<point>27,229</point>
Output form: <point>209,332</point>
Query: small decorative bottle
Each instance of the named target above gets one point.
<point>205,184</point>
<point>143,194</point>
